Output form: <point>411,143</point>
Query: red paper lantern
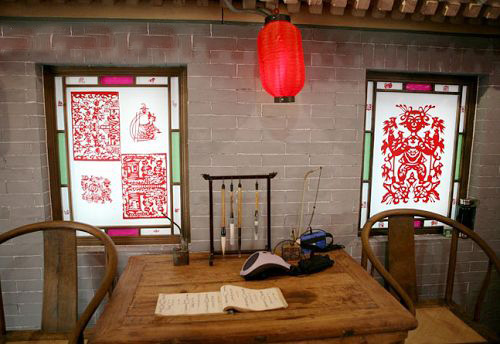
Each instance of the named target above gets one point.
<point>281,58</point>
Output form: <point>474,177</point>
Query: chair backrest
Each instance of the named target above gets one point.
<point>401,268</point>
<point>60,294</point>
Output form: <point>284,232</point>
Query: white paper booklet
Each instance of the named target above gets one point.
<point>230,297</point>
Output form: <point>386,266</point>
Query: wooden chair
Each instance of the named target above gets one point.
<point>60,296</point>
<point>400,277</point>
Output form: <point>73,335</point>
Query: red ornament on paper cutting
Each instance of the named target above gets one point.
<point>144,186</point>
<point>412,150</point>
<point>96,126</point>
<point>96,189</point>
<point>142,127</point>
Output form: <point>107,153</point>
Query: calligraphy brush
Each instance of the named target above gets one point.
<point>256,214</point>
<point>239,217</point>
<point>223,219</point>
<point>231,219</point>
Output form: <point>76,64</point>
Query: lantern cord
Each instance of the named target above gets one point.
<point>262,11</point>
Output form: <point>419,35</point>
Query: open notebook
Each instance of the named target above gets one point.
<point>229,297</point>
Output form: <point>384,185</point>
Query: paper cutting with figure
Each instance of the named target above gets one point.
<point>96,189</point>
<point>96,126</point>
<point>144,185</point>
<point>412,149</point>
<point>142,127</point>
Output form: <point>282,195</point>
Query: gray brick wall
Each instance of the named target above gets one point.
<point>234,127</point>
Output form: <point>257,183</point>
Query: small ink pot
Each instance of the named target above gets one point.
<point>180,256</point>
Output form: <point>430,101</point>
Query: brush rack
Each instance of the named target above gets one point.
<point>210,179</point>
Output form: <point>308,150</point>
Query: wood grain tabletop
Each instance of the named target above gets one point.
<point>342,304</point>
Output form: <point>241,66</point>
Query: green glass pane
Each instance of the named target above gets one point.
<point>458,157</point>
<point>63,166</point>
<point>176,157</point>
<point>366,157</point>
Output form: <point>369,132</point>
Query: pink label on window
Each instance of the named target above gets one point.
<point>116,80</point>
<point>418,87</point>
<point>418,224</point>
<point>124,232</point>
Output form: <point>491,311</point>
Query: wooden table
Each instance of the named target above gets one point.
<point>342,304</point>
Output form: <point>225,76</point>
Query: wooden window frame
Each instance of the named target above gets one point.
<point>470,106</point>
<point>49,73</point>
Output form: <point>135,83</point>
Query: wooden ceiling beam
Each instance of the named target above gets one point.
<point>450,8</point>
<point>492,12</point>
<point>201,3</point>
<point>249,4</point>
<point>471,10</point>
<point>429,7</point>
<point>408,6</point>
<point>270,5</point>
<point>396,14</point>
<point>337,7</point>
<point>361,4</point>
<point>376,13</point>
<point>417,16</point>
<point>48,10</point>
<point>132,2</point>
<point>108,2</point>
<point>316,9</point>
<point>160,3</point>
<point>384,5</point>
<point>438,18</point>
<point>293,7</point>
<point>358,13</point>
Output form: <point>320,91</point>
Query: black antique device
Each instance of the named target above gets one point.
<point>466,213</point>
<point>263,264</point>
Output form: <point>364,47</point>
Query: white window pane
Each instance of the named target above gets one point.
<point>446,88</point>
<point>81,80</point>
<point>388,85</point>
<point>364,204</point>
<point>177,207</point>
<point>454,202</point>
<point>59,103</point>
<point>151,80</point>
<point>174,93</point>
<point>66,212</point>
<point>411,171</point>
<point>155,231</point>
<point>109,175</point>
<point>462,110</point>
<point>369,106</point>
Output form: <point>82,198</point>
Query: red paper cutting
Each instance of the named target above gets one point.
<point>142,127</point>
<point>96,189</point>
<point>96,126</point>
<point>144,185</point>
<point>412,156</point>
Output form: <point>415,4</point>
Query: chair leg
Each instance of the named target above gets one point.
<point>80,339</point>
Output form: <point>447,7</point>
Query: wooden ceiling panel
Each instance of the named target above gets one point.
<point>378,13</point>
<point>408,6</point>
<point>492,12</point>
<point>429,7</point>
<point>457,16</point>
<point>248,4</point>
<point>471,10</point>
<point>385,5</point>
<point>450,9</point>
<point>293,7</point>
<point>361,4</point>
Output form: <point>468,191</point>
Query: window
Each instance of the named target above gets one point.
<point>417,145</point>
<point>117,151</point>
